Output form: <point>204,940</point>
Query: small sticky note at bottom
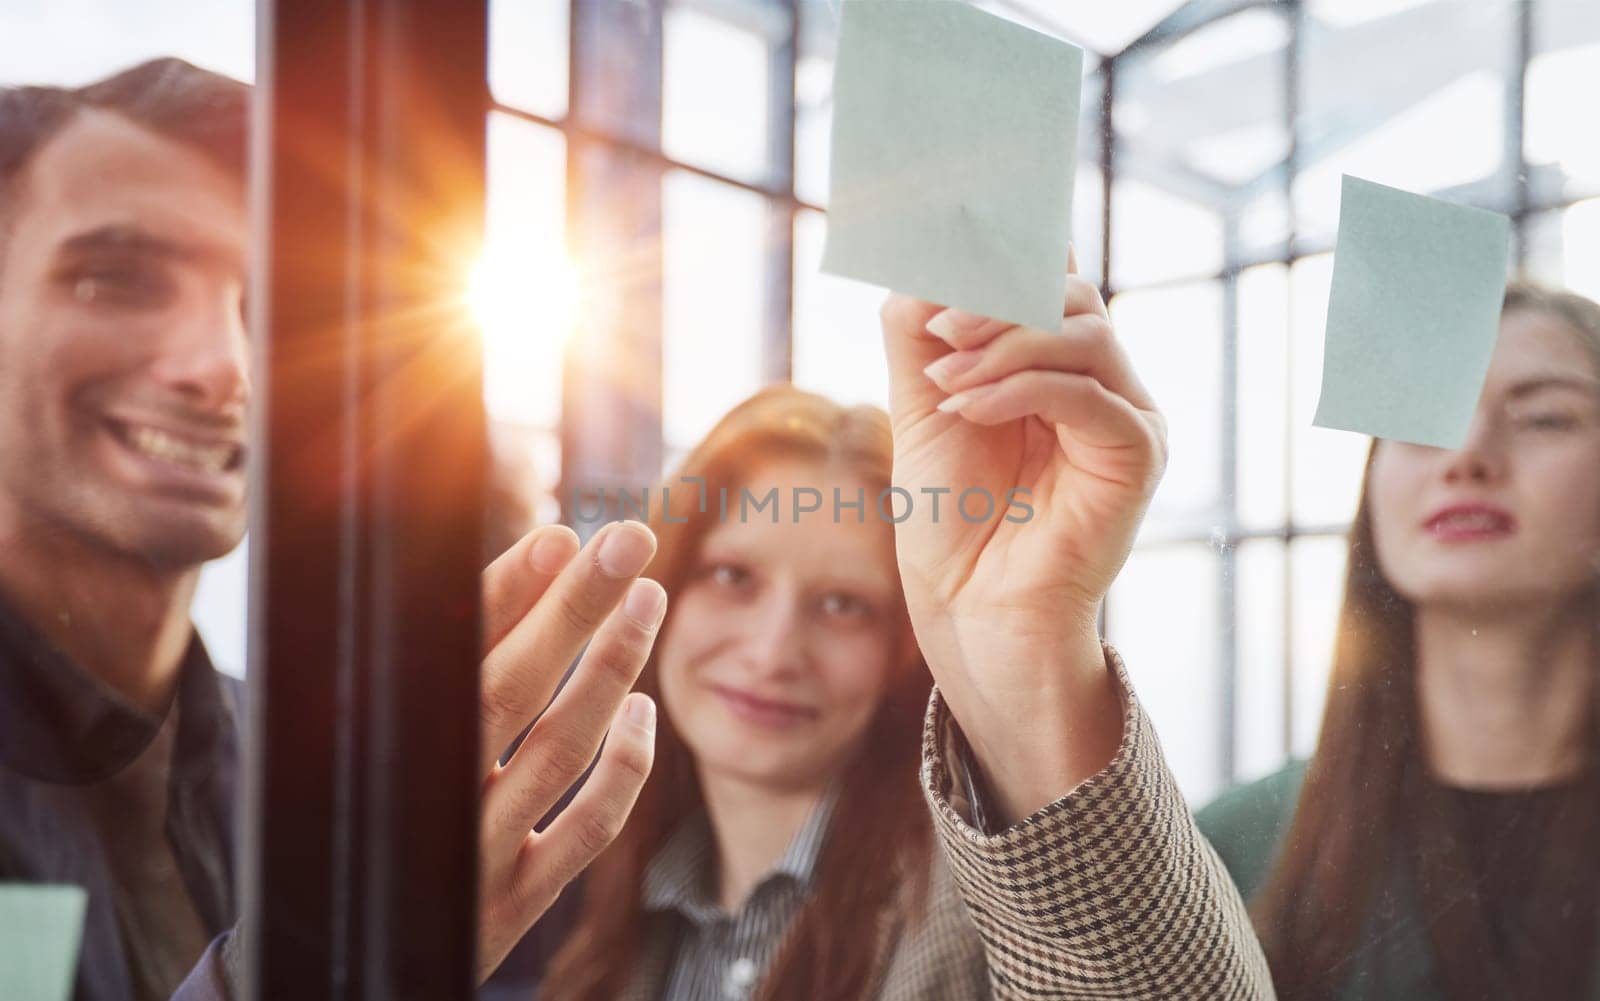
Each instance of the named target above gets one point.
<point>41,928</point>
<point>1413,314</point>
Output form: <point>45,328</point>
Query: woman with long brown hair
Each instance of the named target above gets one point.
<point>781,848</point>
<point>1444,840</point>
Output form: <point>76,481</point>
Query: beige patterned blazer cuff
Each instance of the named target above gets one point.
<point>1108,892</point>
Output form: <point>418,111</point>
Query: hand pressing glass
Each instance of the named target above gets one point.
<point>544,601</point>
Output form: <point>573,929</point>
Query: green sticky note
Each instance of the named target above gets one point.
<point>1413,314</point>
<point>955,138</point>
<point>41,926</point>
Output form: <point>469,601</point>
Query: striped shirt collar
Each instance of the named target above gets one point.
<point>681,876</point>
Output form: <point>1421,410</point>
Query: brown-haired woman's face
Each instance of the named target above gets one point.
<point>780,643</point>
<point>1513,518</point>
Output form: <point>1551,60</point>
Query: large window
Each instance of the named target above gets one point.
<point>1213,137</point>
<point>1232,136</point>
<point>1229,125</point>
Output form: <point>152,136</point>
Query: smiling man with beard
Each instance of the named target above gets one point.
<point>123,388</point>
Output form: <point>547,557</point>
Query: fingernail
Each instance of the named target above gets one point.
<point>953,322</point>
<point>641,711</point>
<point>645,603</point>
<point>625,550</point>
<point>951,365</point>
<point>550,553</point>
<point>958,400</point>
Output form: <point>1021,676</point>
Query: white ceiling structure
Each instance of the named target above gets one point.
<point>1201,97</point>
<point>1104,27</point>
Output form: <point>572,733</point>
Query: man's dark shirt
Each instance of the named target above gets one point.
<point>63,734</point>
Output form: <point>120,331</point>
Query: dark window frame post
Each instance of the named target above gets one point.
<point>359,869</point>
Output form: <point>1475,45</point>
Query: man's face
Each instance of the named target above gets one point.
<point>123,357</point>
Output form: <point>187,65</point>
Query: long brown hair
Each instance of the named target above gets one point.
<point>1310,912</point>
<point>831,949</point>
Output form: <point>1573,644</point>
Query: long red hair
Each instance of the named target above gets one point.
<point>831,949</point>
<point>1310,912</point>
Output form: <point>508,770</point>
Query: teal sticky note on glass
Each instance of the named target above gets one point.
<point>1413,314</point>
<point>41,928</point>
<point>955,136</point>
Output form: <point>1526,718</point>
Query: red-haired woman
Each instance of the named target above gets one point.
<point>781,848</point>
<point>1442,843</point>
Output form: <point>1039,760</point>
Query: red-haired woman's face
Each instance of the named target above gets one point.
<point>1513,518</point>
<point>780,644</point>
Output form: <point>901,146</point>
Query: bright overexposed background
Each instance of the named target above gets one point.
<point>1219,263</point>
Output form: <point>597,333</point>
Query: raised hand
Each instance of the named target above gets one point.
<point>1005,607</point>
<point>541,606</point>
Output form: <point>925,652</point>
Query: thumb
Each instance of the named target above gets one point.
<point>910,349</point>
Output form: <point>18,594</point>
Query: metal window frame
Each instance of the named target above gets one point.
<point>1191,17</point>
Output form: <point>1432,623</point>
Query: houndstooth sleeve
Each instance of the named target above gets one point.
<point>1108,892</point>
